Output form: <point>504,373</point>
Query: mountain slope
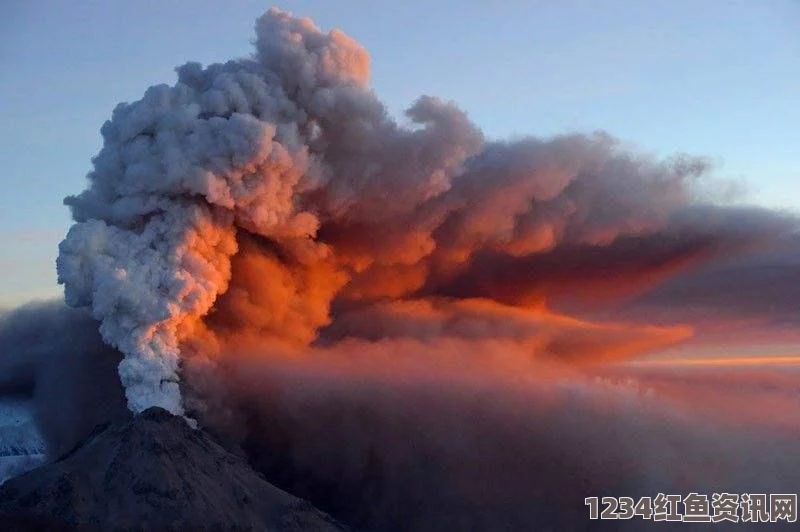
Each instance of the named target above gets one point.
<point>153,472</point>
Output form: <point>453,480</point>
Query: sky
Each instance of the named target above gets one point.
<point>719,80</point>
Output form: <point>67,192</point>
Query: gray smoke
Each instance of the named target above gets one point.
<point>53,354</point>
<point>424,443</point>
<point>287,162</point>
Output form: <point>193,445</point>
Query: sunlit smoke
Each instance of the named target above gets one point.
<point>274,199</point>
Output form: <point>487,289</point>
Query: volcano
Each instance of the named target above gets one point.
<point>152,472</point>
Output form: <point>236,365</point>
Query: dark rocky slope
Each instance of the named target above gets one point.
<point>153,472</point>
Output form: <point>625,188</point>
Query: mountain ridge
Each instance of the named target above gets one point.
<point>153,472</point>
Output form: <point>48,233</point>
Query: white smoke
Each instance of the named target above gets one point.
<point>288,163</point>
<point>179,169</point>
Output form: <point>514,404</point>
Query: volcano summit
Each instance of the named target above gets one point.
<point>153,472</point>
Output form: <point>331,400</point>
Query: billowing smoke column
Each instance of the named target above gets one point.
<point>185,166</point>
<point>273,197</point>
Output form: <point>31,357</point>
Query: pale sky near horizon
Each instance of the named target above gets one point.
<point>714,78</point>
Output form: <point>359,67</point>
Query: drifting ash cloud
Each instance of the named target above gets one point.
<point>396,322</point>
<point>428,444</point>
<point>267,190</point>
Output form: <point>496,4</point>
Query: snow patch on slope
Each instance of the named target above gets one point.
<point>21,445</point>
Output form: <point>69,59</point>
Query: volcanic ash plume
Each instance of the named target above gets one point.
<point>274,198</point>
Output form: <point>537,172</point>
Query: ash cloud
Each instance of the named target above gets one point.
<point>286,165</point>
<point>54,355</point>
<point>433,440</point>
<point>756,286</point>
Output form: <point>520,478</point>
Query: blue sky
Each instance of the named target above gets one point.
<point>715,78</point>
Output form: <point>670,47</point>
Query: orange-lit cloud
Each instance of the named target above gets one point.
<point>760,360</point>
